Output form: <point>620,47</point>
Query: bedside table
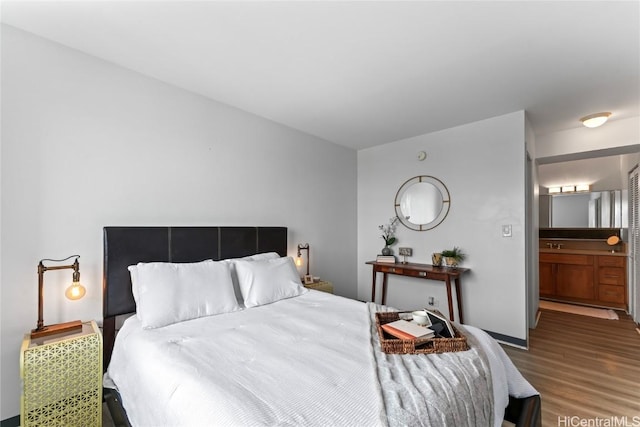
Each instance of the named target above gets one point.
<point>321,286</point>
<point>62,379</point>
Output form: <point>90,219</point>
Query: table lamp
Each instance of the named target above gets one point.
<point>73,292</point>
<point>302,247</point>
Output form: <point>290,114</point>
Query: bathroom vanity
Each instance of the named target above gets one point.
<point>586,271</point>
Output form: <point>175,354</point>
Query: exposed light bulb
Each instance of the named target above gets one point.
<point>75,291</point>
<point>298,261</point>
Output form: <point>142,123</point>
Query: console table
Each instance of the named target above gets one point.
<point>420,271</point>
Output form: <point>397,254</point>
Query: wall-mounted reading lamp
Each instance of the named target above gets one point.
<point>302,247</point>
<point>73,292</point>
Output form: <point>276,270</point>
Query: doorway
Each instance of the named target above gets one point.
<point>602,174</point>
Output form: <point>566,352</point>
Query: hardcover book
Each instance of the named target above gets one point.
<point>407,330</point>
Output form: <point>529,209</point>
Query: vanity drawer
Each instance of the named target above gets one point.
<point>610,261</point>
<point>392,269</point>
<point>560,258</point>
<point>609,293</point>
<point>611,276</point>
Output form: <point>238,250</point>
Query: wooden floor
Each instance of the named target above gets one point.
<point>583,367</point>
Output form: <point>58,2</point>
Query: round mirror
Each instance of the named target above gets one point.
<point>422,203</point>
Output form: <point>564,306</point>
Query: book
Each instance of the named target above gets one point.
<point>406,330</point>
<point>386,258</point>
<point>440,324</point>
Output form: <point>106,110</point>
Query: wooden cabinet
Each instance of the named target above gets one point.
<point>547,279</point>
<point>589,279</point>
<point>568,276</point>
<point>612,280</point>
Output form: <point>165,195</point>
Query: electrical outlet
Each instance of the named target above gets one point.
<point>506,230</point>
<point>431,301</point>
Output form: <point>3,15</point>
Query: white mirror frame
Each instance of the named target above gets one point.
<point>444,208</point>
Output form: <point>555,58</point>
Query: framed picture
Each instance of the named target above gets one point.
<point>308,279</point>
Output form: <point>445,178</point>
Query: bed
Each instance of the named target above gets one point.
<point>315,360</point>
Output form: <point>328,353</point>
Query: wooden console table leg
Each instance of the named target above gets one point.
<point>373,287</point>
<point>459,297</point>
<point>448,282</point>
<point>384,288</point>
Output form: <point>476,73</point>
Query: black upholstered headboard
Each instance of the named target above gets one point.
<point>125,246</point>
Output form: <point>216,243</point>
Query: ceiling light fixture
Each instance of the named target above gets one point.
<point>595,120</point>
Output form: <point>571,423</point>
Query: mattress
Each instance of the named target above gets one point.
<point>304,361</point>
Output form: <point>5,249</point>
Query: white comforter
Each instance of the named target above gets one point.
<point>307,360</point>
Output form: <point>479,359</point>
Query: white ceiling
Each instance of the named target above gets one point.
<point>366,73</point>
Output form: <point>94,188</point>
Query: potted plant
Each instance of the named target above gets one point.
<point>452,257</point>
<point>388,235</point>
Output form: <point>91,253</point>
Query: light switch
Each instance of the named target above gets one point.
<point>506,230</point>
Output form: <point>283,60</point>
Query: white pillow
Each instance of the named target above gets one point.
<point>174,292</point>
<point>133,272</point>
<point>258,257</point>
<point>266,281</point>
<point>232,265</point>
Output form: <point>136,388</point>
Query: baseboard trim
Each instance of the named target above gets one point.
<point>517,342</point>
<point>11,422</point>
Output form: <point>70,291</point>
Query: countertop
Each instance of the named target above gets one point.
<point>581,252</point>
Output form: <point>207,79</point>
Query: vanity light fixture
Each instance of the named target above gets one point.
<point>302,247</point>
<point>569,189</point>
<point>595,120</point>
<point>73,292</point>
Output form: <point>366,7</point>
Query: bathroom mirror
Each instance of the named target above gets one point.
<point>599,209</point>
<point>422,203</point>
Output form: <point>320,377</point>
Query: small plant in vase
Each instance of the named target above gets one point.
<point>388,234</point>
<point>452,257</point>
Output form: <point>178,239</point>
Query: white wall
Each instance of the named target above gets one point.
<point>87,144</point>
<point>602,173</point>
<point>627,163</point>
<point>532,222</point>
<point>483,166</point>
<point>614,134</point>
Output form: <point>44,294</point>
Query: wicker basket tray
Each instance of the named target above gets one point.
<point>393,345</point>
